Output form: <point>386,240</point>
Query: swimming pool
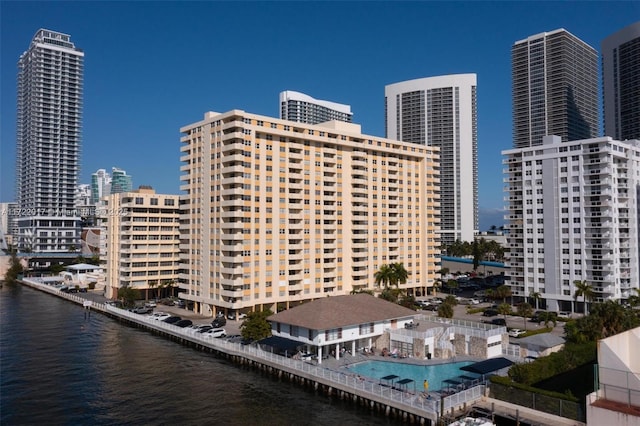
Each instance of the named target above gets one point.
<point>434,374</point>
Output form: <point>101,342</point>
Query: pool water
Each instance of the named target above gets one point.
<point>434,374</point>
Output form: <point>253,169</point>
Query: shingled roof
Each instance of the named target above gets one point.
<point>341,311</point>
<point>543,340</point>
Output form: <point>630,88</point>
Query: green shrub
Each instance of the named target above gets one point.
<point>572,356</point>
<point>567,396</point>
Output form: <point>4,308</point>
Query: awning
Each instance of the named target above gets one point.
<point>281,344</point>
<point>403,383</point>
<point>488,366</point>
<point>389,378</point>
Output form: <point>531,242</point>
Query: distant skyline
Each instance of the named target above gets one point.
<point>152,67</point>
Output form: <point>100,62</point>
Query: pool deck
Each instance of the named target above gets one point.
<point>340,365</point>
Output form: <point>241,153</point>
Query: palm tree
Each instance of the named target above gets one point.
<point>634,300</point>
<point>504,309</point>
<point>437,284</point>
<point>400,274</point>
<point>383,275</point>
<point>452,285</point>
<point>152,284</point>
<point>525,310</point>
<point>536,296</point>
<point>585,290</point>
<point>502,292</point>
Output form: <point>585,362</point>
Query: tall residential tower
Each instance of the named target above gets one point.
<point>573,217</point>
<point>49,122</point>
<point>277,212</point>
<point>296,106</point>
<point>442,112</point>
<point>621,83</point>
<point>555,88</point>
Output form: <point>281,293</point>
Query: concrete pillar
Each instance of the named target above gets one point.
<point>319,354</point>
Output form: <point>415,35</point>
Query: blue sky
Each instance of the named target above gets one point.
<point>152,67</point>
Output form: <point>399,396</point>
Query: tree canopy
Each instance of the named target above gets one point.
<point>128,296</point>
<point>481,249</point>
<point>605,319</point>
<point>256,326</point>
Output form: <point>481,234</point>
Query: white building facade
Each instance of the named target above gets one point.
<point>296,106</point>
<point>49,122</point>
<point>572,215</point>
<point>442,112</point>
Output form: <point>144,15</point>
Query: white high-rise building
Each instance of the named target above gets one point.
<point>49,123</point>
<point>83,195</point>
<point>621,83</point>
<point>296,106</point>
<point>572,216</point>
<point>100,185</point>
<point>442,112</point>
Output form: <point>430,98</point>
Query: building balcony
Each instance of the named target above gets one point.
<point>234,158</point>
<point>233,144</point>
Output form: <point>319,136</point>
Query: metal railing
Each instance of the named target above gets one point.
<point>621,386</point>
<point>339,379</point>
<point>419,402</point>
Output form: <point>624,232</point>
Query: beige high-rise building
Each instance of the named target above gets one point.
<point>141,242</point>
<point>277,213</point>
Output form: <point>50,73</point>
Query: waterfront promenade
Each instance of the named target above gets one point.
<point>331,378</point>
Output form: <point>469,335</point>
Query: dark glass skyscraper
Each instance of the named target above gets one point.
<point>621,83</point>
<point>555,88</point>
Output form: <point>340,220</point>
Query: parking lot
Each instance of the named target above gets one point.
<point>460,312</point>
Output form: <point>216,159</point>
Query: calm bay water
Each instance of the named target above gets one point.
<point>59,368</point>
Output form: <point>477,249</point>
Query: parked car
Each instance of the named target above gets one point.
<point>151,304</point>
<point>183,323</point>
<point>160,316</point>
<point>142,310</point>
<point>536,315</point>
<point>219,322</point>
<point>201,328</point>
<point>474,301</point>
<point>499,321</point>
<point>490,313</point>
<point>180,303</point>
<point>172,319</point>
<point>242,316</point>
<point>564,314</point>
<point>516,332</point>
<point>215,332</point>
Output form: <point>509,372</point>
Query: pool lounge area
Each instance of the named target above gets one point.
<point>446,377</point>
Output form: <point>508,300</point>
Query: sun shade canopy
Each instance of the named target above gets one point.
<point>488,366</point>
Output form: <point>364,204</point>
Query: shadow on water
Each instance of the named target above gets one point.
<point>60,368</point>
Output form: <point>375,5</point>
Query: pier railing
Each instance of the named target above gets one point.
<point>338,379</point>
<point>369,388</point>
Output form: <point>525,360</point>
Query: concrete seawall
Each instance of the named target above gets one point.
<point>410,407</point>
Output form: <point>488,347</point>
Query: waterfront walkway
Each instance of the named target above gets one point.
<point>331,374</point>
